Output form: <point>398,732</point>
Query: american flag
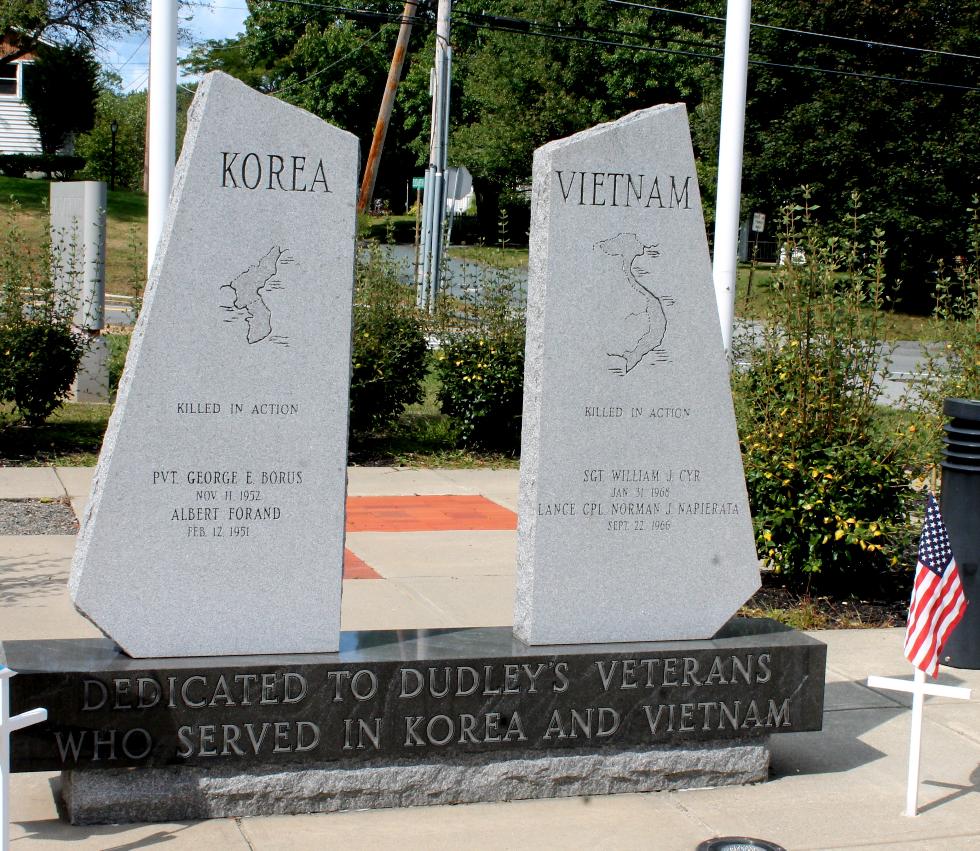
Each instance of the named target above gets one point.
<point>938,602</point>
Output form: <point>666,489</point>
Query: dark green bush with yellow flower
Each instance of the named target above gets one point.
<point>389,345</point>
<point>482,389</point>
<point>827,483</point>
<point>480,363</point>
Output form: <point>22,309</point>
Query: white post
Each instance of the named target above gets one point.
<point>918,688</point>
<point>7,726</point>
<point>162,135</point>
<point>915,746</point>
<point>730,161</point>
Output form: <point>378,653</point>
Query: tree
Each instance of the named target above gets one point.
<point>325,62</point>
<point>529,71</point>
<point>60,89</point>
<point>911,151</point>
<point>78,22</point>
<point>128,111</point>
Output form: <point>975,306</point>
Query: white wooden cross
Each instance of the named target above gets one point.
<point>7,726</point>
<point>919,688</point>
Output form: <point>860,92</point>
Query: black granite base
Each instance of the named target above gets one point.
<point>416,695</point>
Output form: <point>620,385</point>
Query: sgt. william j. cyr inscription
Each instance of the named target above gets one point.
<point>634,523</point>
<point>216,520</point>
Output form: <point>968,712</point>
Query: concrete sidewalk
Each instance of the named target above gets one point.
<point>843,787</point>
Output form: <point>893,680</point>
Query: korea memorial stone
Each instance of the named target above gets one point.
<point>634,523</point>
<point>216,520</point>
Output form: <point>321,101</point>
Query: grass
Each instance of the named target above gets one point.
<point>488,255</point>
<point>71,437</point>
<point>125,228</point>
<point>753,304</point>
<point>396,229</point>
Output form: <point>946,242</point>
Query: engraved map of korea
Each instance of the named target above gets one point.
<point>248,291</point>
<point>644,321</point>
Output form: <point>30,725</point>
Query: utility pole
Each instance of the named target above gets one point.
<point>387,102</point>
<point>162,130</point>
<point>730,144</point>
<point>434,203</point>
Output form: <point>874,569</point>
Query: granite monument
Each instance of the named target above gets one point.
<point>634,522</point>
<point>428,716</point>
<point>216,520</point>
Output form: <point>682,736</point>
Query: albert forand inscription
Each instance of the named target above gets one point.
<point>272,171</point>
<point>346,709</point>
<point>247,290</point>
<point>644,321</point>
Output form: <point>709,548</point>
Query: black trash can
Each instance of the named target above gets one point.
<point>960,506</point>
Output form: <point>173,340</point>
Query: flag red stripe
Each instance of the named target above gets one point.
<point>931,636</point>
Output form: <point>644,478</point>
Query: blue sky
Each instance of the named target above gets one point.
<point>130,57</point>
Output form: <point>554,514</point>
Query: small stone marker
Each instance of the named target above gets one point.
<point>78,237</point>
<point>7,726</point>
<point>216,520</point>
<point>78,222</point>
<point>634,522</point>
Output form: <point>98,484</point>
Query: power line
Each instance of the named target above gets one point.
<point>522,26</point>
<point>323,70</point>
<point>649,48</point>
<point>865,42</point>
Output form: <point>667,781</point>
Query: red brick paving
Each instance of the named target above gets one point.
<point>426,514</point>
<point>450,513</point>
<point>357,568</point>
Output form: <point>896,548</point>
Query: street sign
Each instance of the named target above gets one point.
<point>459,182</point>
<point>418,183</point>
<point>758,222</point>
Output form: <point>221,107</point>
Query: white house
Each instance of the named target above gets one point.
<point>17,134</point>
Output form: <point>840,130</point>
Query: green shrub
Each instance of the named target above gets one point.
<point>482,388</point>
<point>40,359</point>
<point>389,345</point>
<point>39,351</point>
<point>481,362</point>
<point>61,166</point>
<point>826,483</point>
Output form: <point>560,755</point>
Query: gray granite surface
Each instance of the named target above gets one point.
<point>633,523</point>
<point>180,794</point>
<point>216,518</point>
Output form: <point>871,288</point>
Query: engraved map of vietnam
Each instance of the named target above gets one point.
<point>247,296</point>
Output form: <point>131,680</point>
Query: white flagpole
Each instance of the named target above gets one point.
<point>730,145</point>
<point>915,746</point>
<point>162,137</point>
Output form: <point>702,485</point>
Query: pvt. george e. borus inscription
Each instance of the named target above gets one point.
<point>634,523</point>
<point>216,519</point>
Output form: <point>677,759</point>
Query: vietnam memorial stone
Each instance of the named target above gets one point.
<point>216,519</point>
<point>633,516</point>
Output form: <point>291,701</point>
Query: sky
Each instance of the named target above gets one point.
<point>202,19</point>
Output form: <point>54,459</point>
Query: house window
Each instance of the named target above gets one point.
<point>8,80</point>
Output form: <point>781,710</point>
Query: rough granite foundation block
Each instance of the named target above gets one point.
<point>184,793</point>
